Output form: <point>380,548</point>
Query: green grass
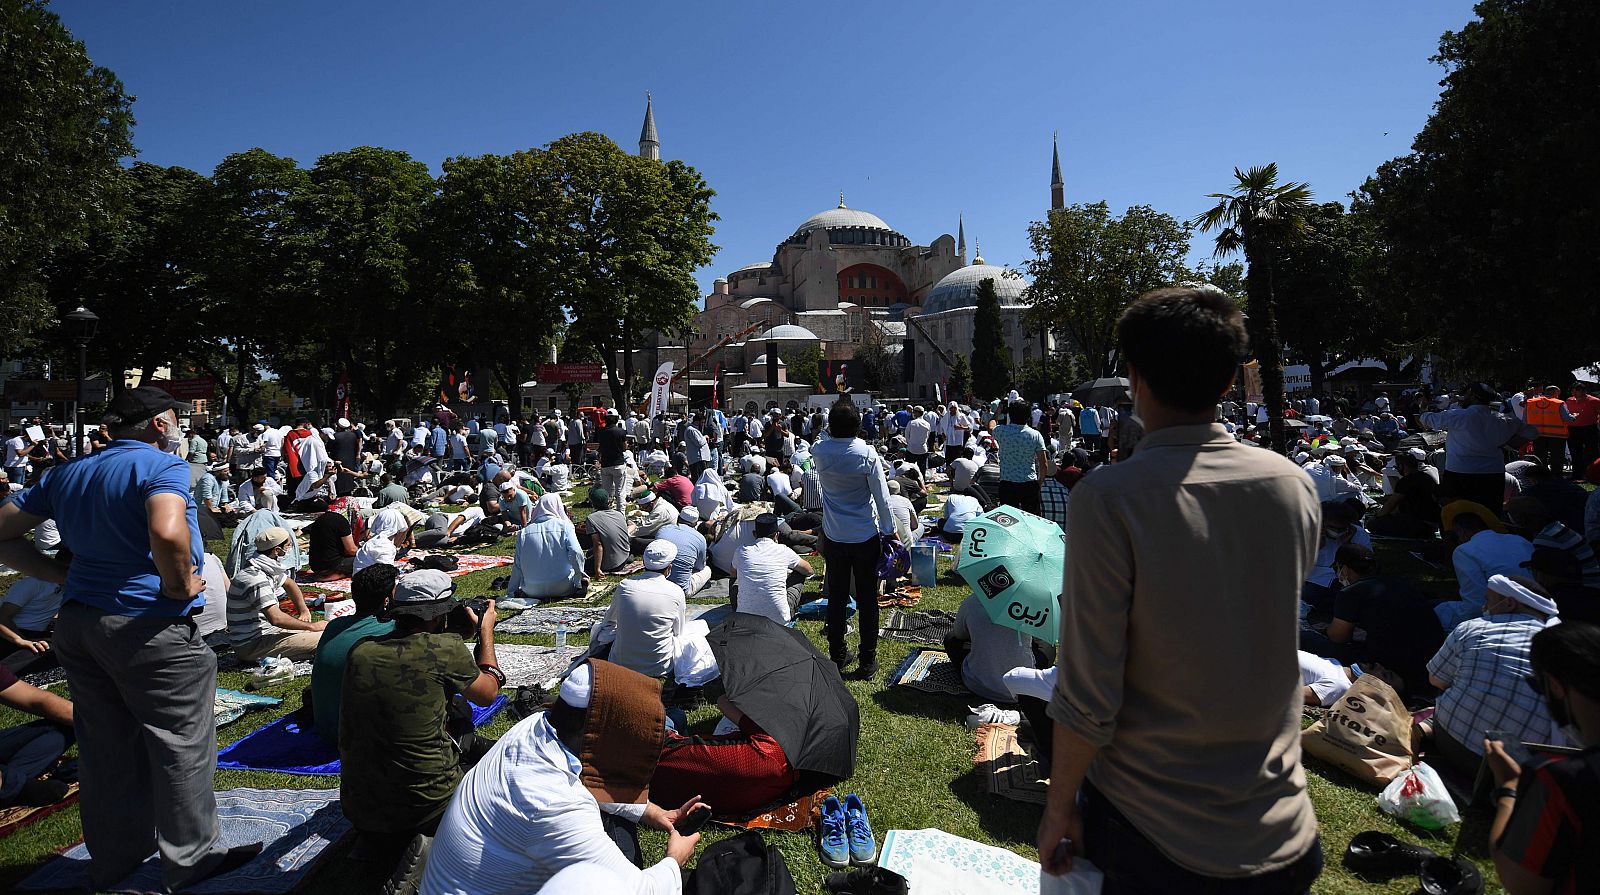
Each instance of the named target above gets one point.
<point>913,770</point>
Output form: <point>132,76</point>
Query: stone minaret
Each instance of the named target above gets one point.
<point>649,144</point>
<point>961,237</point>
<point>1058,187</point>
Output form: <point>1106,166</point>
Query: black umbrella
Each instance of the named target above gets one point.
<point>774,675</point>
<point>1102,392</point>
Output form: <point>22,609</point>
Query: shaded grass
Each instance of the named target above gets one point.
<point>913,768</point>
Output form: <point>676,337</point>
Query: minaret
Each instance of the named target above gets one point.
<point>1058,187</point>
<point>961,237</point>
<point>649,144</point>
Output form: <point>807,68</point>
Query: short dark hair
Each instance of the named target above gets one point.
<point>1018,412</point>
<point>372,587</point>
<point>1186,343</point>
<point>844,420</point>
<point>1570,653</point>
<point>1356,558</point>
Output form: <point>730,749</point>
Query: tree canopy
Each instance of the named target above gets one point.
<point>991,359</point>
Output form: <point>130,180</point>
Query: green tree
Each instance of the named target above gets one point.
<point>1493,217</point>
<point>960,380</point>
<point>880,367</point>
<point>991,359</point>
<point>803,364</point>
<point>67,126</point>
<point>1259,217</point>
<point>630,233</point>
<point>1088,266</point>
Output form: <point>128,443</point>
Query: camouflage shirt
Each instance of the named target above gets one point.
<point>398,765</point>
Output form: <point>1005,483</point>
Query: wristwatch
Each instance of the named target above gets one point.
<point>1503,792</point>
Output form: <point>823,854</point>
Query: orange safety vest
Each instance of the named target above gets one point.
<point>1544,414</point>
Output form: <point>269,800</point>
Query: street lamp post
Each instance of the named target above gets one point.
<point>81,323</point>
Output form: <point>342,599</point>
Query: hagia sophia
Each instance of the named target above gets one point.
<point>844,270</point>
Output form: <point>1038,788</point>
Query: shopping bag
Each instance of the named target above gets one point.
<point>895,561</point>
<point>1367,733</point>
<point>1084,879</point>
<point>1419,796</point>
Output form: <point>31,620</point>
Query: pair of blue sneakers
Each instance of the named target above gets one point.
<point>846,833</point>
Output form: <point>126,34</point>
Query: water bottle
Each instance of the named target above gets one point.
<point>561,633</point>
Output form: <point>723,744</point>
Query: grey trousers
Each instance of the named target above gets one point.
<point>612,478</point>
<point>143,694</point>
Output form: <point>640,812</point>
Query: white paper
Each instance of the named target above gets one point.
<point>36,433</point>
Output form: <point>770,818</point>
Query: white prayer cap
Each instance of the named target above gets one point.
<point>689,515</point>
<point>1508,587</point>
<point>660,554</point>
<point>576,688</point>
<point>1335,460</point>
<point>1417,454</point>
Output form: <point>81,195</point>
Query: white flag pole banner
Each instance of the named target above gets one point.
<point>661,390</point>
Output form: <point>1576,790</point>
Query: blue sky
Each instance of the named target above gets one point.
<point>917,112</point>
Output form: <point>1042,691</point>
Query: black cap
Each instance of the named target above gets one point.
<point>1555,561</point>
<point>766,525</point>
<point>136,405</point>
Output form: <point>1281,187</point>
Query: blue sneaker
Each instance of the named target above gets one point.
<point>863,845</point>
<point>832,844</point>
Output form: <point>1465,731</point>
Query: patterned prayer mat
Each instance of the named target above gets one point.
<point>467,564</point>
<point>19,816</point>
<point>905,596</point>
<point>527,666</point>
<point>937,863</point>
<point>1007,770</point>
<point>929,627</point>
<point>791,817</point>
<point>544,621</point>
<point>930,671</point>
<point>297,825</point>
<point>283,747</point>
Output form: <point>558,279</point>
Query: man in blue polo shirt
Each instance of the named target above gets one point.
<point>143,682</point>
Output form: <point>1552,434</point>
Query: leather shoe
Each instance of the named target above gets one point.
<point>866,881</point>
<point>1377,854</point>
<point>1447,876</point>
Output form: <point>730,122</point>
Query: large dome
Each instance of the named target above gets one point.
<point>959,289</point>
<point>851,226</point>
<point>786,331</point>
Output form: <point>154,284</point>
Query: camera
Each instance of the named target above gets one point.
<point>459,622</point>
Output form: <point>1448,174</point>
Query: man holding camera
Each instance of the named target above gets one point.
<point>400,764</point>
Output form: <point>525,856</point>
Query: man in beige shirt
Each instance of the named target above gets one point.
<point>1177,706</point>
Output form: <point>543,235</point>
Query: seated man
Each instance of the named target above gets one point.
<point>516,506</point>
<point>1340,526</point>
<point>548,560</point>
<point>1323,681</point>
<point>1412,511</point>
<point>743,770</point>
<point>1561,575</point>
<point>963,473</point>
<point>768,578</point>
<point>1402,631</point>
<point>399,764</point>
<point>447,529</point>
<point>657,514</point>
<point>646,617</point>
<point>1531,519</point>
<point>985,651</point>
<point>332,548</point>
<point>370,590</point>
<point>564,788</point>
<point>675,487</point>
<point>26,617</point>
<point>214,494</point>
<point>1483,669</point>
<point>1484,552</point>
<point>605,534</point>
<point>389,492</point>
<point>32,749</point>
<point>257,625</point>
<point>689,569</point>
<point>261,491</point>
<point>959,509</point>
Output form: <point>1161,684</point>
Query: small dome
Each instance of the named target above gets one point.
<point>749,303</point>
<point>720,281</point>
<point>759,265</point>
<point>788,332</point>
<point>959,289</point>
<point>761,361</point>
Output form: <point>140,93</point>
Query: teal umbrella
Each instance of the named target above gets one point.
<point>1014,562</point>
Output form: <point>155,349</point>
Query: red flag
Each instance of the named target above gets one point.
<point>716,387</point>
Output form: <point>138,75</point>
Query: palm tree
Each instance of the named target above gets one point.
<point>1259,216</point>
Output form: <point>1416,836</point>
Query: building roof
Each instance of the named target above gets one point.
<point>647,134</point>
<point>761,359</point>
<point>787,331</point>
<point>959,288</point>
<point>749,303</point>
<point>759,265</point>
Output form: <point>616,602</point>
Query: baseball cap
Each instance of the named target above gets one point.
<point>272,538</point>
<point>660,554</point>
<point>425,594</point>
<point>508,485</point>
<point>135,405</point>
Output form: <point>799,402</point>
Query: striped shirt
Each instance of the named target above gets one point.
<point>1560,537</point>
<point>1484,663</point>
<point>250,594</point>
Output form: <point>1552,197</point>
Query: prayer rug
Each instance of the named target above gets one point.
<point>19,816</point>
<point>935,863</point>
<point>1007,770</point>
<point>231,704</point>
<point>930,626</point>
<point>533,666</point>
<point>791,817</point>
<point>930,671</point>
<point>47,677</point>
<point>817,610</point>
<point>284,747</point>
<point>299,827</point>
<point>712,615</point>
<point>544,621</point>
<point>467,563</point>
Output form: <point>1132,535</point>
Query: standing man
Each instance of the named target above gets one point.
<point>1174,800</point>
<point>1475,449</point>
<point>143,682</point>
<point>346,451</point>
<point>1024,461</point>
<point>1551,417</point>
<point>855,520</point>
<point>1582,435</point>
<point>918,432</point>
<point>613,444</point>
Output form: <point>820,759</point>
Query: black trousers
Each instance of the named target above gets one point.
<point>1553,451</point>
<point>852,569</point>
<point>1583,442</point>
<point>1488,489</point>
<point>1022,495</point>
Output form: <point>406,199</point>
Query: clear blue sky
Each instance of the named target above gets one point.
<point>916,111</point>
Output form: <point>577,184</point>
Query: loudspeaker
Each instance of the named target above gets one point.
<point>908,359</point>
<point>772,365</point>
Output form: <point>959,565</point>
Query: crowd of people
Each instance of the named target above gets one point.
<point>1161,496</point>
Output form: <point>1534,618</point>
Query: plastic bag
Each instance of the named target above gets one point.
<point>895,561</point>
<point>1084,879</point>
<point>1419,796</point>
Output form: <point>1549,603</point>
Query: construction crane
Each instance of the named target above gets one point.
<point>695,361</point>
<point>943,355</point>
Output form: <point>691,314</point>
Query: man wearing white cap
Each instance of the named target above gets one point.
<point>658,514</point>
<point>646,616</point>
<point>689,570</point>
<point>1483,669</point>
<point>564,790</point>
<point>345,450</point>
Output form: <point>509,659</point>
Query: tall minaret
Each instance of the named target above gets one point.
<point>649,144</point>
<point>961,237</point>
<point>1058,187</point>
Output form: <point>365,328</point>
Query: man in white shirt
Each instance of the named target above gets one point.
<point>1475,457</point>
<point>646,616</point>
<point>1322,681</point>
<point>271,448</point>
<point>769,578</point>
<point>918,433</point>
<point>1482,554</point>
<point>542,801</point>
<point>954,427</point>
<point>444,529</point>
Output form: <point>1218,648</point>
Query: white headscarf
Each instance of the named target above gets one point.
<point>549,506</point>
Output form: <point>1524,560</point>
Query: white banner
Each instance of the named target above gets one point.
<point>661,390</point>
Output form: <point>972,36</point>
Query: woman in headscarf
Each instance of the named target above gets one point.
<point>387,533</point>
<point>711,496</point>
<point>549,559</point>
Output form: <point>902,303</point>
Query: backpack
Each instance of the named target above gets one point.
<point>742,865</point>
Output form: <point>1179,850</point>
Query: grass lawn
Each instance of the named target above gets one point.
<point>913,770</point>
